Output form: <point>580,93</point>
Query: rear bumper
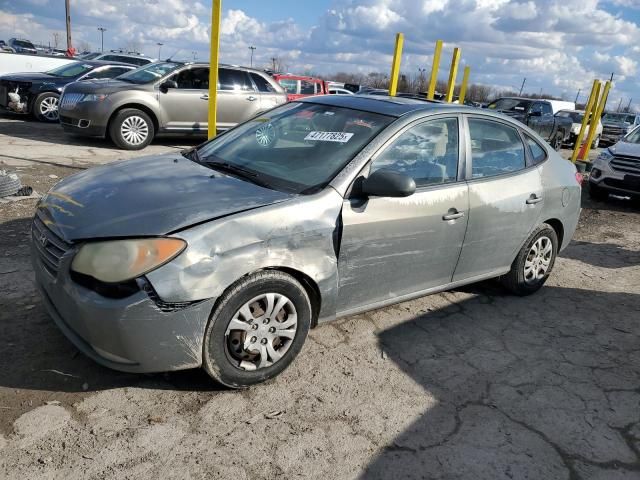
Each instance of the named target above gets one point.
<point>132,334</point>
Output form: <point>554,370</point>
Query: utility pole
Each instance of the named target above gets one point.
<point>577,95</point>
<point>629,105</point>
<point>273,61</point>
<point>522,86</point>
<point>195,54</point>
<point>102,30</point>
<point>619,105</point>
<point>67,10</point>
<point>252,48</point>
<point>159,48</point>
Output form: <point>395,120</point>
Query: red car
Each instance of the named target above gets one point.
<point>298,86</point>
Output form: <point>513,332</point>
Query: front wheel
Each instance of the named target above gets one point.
<point>534,262</point>
<point>257,329</point>
<point>131,129</point>
<point>45,108</point>
<point>556,142</point>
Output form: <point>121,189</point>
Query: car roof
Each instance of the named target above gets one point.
<point>100,63</point>
<point>384,105</point>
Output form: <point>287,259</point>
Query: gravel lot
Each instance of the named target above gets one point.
<point>468,384</point>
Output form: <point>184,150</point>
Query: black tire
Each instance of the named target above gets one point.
<point>515,280</point>
<point>217,359</point>
<point>556,141</point>
<point>597,193</point>
<point>129,116</point>
<point>42,107</point>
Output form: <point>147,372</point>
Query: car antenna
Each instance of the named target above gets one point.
<point>174,54</point>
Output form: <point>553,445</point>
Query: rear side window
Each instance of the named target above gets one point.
<point>496,148</point>
<point>234,80</point>
<point>307,88</point>
<point>538,154</point>
<point>262,84</point>
<point>290,86</point>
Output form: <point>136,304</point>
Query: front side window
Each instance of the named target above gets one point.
<point>234,80</point>
<point>536,108</point>
<point>192,79</point>
<point>298,147</point>
<point>546,109</point>
<point>150,73</point>
<point>262,84</point>
<point>496,148</point>
<point>427,152</point>
<point>514,104</point>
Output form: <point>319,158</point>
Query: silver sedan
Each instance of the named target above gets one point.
<point>225,256</point>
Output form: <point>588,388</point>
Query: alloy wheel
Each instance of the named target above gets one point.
<point>134,130</point>
<point>49,108</point>
<point>538,260</point>
<point>265,135</point>
<point>261,331</point>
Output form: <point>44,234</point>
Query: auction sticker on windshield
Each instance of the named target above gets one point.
<point>341,137</point>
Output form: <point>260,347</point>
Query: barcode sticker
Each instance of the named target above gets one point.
<point>341,137</point>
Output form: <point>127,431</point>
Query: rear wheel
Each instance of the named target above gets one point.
<point>597,193</point>
<point>131,129</point>
<point>257,329</point>
<point>556,141</point>
<point>45,108</point>
<point>534,262</point>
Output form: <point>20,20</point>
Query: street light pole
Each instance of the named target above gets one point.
<point>102,30</point>
<point>159,49</point>
<point>67,10</point>
<point>252,48</point>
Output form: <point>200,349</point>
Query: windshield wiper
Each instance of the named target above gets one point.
<point>231,168</point>
<point>192,154</point>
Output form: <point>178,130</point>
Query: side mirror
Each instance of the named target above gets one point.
<point>535,114</point>
<point>387,183</point>
<point>167,84</point>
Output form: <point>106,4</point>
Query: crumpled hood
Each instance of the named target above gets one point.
<point>145,197</point>
<point>627,149</point>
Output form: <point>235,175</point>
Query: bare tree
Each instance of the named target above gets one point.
<point>277,65</point>
<point>84,46</point>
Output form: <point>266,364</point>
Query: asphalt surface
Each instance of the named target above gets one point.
<point>468,384</point>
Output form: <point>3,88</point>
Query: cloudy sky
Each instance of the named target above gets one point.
<point>558,45</point>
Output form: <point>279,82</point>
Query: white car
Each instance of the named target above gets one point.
<point>577,116</point>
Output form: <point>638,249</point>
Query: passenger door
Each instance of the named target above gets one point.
<point>394,247</point>
<point>505,198</point>
<point>537,122</point>
<point>237,99</point>
<point>185,108</point>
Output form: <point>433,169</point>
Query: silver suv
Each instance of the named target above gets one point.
<point>163,98</point>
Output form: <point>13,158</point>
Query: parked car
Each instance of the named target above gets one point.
<point>22,46</point>
<point>617,169</point>
<point>576,117</point>
<point>339,91</point>
<point>617,125</point>
<point>165,97</point>
<point>4,48</point>
<point>119,56</point>
<point>559,105</point>
<point>537,115</point>
<point>297,86</point>
<point>38,93</point>
<point>226,255</point>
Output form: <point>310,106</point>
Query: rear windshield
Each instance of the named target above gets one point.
<point>149,73</point>
<point>71,70</point>
<point>510,104</point>
<point>23,44</point>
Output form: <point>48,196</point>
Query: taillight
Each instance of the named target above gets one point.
<point>579,178</point>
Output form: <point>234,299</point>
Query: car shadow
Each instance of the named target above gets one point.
<point>27,128</point>
<point>605,255</point>
<point>520,386</point>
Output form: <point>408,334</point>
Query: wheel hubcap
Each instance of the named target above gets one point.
<point>262,331</point>
<point>49,108</point>
<point>134,130</point>
<point>538,260</point>
<point>265,135</point>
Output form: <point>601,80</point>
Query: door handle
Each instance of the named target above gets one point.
<point>452,214</point>
<point>251,98</point>
<point>205,97</point>
<point>533,199</point>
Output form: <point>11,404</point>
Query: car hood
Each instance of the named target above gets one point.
<point>145,197</point>
<point>29,77</point>
<point>626,149</point>
<point>103,85</point>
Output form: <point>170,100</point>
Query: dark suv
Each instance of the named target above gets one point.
<point>22,46</point>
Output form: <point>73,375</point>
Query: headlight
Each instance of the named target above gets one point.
<point>605,155</point>
<point>119,260</point>
<point>94,97</point>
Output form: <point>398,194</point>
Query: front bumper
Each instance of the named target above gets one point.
<point>84,118</point>
<point>132,334</point>
<point>616,182</point>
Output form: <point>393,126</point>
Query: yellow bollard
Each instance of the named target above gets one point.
<point>595,92</point>
<point>595,119</point>
<point>453,72</point>
<point>216,14</point>
<point>434,70</point>
<point>395,66</point>
<point>463,87</point>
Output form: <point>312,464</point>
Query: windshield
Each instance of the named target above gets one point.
<point>618,118</point>
<point>576,117</point>
<point>71,70</point>
<point>149,73</point>
<point>298,147</point>
<point>633,136</point>
<point>510,104</point>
